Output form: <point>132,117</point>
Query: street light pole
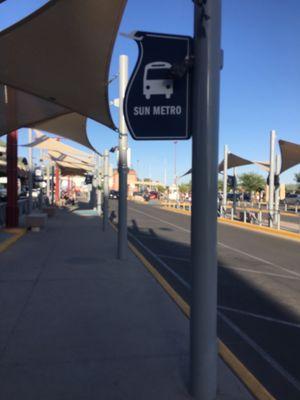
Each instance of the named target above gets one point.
<point>122,167</point>
<point>175,172</point>
<point>206,86</point>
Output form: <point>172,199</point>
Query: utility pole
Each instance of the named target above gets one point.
<point>105,188</point>
<point>225,178</point>
<point>30,183</point>
<point>205,106</point>
<point>271,177</point>
<point>122,167</point>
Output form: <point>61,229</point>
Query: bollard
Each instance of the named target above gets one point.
<point>245,216</point>
<point>296,209</point>
<point>260,218</point>
<point>232,214</point>
<point>285,207</point>
<point>278,221</point>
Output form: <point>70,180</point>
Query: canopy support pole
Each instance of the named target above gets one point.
<point>12,209</point>
<point>225,179</point>
<point>122,167</point>
<point>57,185</point>
<point>30,184</point>
<point>271,178</point>
<point>205,106</point>
<point>105,188</point>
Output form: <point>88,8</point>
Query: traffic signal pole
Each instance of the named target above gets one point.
<point>122,165</point>
<point>206,84</point>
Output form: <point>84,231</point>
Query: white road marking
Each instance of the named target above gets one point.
<point>234,327</point>
<point>222,244</point>
<point>261,352</point>
<point>160,220</point>
<point>250,271</point>
<point>259,316</point>
<point>259,259</point>
<point>170,270</point>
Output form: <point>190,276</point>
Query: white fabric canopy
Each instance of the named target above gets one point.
<point>60,57</point>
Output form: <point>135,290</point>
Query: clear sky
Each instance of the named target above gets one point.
<point>260,81</point>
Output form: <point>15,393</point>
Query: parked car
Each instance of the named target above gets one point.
<point>292,199</point>
<point>153,195</point>
<point>113,194</point>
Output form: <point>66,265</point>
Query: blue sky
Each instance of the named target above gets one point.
<point>260,81</point>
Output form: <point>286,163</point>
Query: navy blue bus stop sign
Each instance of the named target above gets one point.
<point>156,104</point>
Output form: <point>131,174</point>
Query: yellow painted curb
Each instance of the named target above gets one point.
<point>243,225</point>
<point>17,234</point>
<point>248,379</point>
<point>263,229</point>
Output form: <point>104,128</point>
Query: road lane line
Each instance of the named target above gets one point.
<point>234,327</point>
<point>249,380</point>
<point>153,255</point>
<point>160,220</point>
<point>251,271</point>
<point>259,259</point>
<point>259,316</point>
<point>293,381</point>
<point>221,244</point>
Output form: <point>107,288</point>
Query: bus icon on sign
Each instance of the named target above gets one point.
<point>157,80</point>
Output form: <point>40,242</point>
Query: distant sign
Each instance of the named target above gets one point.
<point>156,104</point>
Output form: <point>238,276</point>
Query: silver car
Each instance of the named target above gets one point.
<point>292,199</point>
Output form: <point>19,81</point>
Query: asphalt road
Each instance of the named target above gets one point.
<point>258,290</point>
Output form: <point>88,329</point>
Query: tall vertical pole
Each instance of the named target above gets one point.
<point>57,188</point>
<point>122,167</point>
<point>206,85</point>
<point>277,189</point>
<point>271,177</point>
<point>12,210</point>
<point>99,191</point>
<point>175,172</point>
<point>30,182</point>
<point>234,190</point>
<point>48,180</point>
<point>105,188</point>
<point>225,177</point>
<point>52,186</point>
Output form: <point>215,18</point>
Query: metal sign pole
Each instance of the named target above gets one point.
<point>105,188</point>
<point>30,184</point>
<point>271,177</point>
<point>122,167</point>
<point>225,178</point>
<point>203,329</point>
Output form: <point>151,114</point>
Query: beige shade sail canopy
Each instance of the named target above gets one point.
<point>234,161</point>
<point>59,149</point>
<point>61,53</point>
<point>290,154</point>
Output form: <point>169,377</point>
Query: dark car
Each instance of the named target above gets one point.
<point>113,194</point>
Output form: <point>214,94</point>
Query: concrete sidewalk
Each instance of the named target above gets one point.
<point>75,323</point>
